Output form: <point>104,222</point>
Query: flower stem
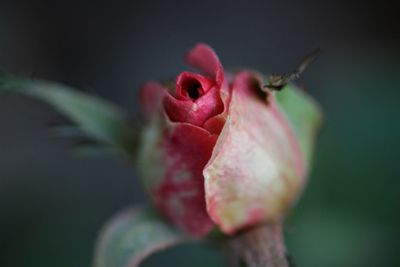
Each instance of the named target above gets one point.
<point>261,246</point>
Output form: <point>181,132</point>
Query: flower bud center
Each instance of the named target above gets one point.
<point>192,88</point>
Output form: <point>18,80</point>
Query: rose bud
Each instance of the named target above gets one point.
<point>216,151</point>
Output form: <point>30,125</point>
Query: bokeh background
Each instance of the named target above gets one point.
<point>53,203</point>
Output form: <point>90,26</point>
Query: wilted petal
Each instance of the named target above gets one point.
<point>256,169</point>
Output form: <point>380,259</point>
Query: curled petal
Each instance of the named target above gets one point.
<point>256,169</point>
<point>215,124</point>
<point>204,58</point>
<point>196,112</point>
<point>191,86</point>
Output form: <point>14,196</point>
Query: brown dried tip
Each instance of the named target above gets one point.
<point>276,82</point>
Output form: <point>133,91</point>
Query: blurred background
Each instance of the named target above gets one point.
<point>53,203</point>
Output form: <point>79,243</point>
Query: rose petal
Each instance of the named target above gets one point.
<point>150,97</point>
<point>209,105</point>
<point>204,84</point>
<point>204,58</point>
<point>170,161</point>
<point>216,123</point>
<point>256,169</point>
<point>180,193</point>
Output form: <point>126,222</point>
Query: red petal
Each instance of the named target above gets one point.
<point>196,112</point>
<point>150,97</point>
<point>180,193</point>
<point>256,170</point>
<point>204,58</point>
<point>215,124</point>
<point>188,77</point>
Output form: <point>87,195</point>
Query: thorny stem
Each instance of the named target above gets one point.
<point>261,246</point>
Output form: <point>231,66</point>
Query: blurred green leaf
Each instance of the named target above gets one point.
<point>96,117</point>
<point>67,131</point>
<point>304,115</point>
<point>133,235</point>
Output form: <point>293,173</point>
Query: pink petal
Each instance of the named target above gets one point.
<point>196,112</point>
<point>216,123</point>
<point>185,79</point>
<point>256,169</point>
<point>150,96</point>
<point>180,192</point>
<point>204,58</point>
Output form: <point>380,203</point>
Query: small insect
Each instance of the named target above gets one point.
<point>277,81</point>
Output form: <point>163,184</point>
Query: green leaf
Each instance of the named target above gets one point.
<point>96,117</point>
<point>133,235</point>
<point>304,115</point>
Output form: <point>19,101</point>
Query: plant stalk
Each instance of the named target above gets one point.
<point>261,246</point>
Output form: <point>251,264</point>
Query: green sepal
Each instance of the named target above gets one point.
<point>133,235</point>
<point>303,114</point>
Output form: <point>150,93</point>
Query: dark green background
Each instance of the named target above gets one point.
<point>53,203</point>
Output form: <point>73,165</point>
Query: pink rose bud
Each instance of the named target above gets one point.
<point>216,153</point>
